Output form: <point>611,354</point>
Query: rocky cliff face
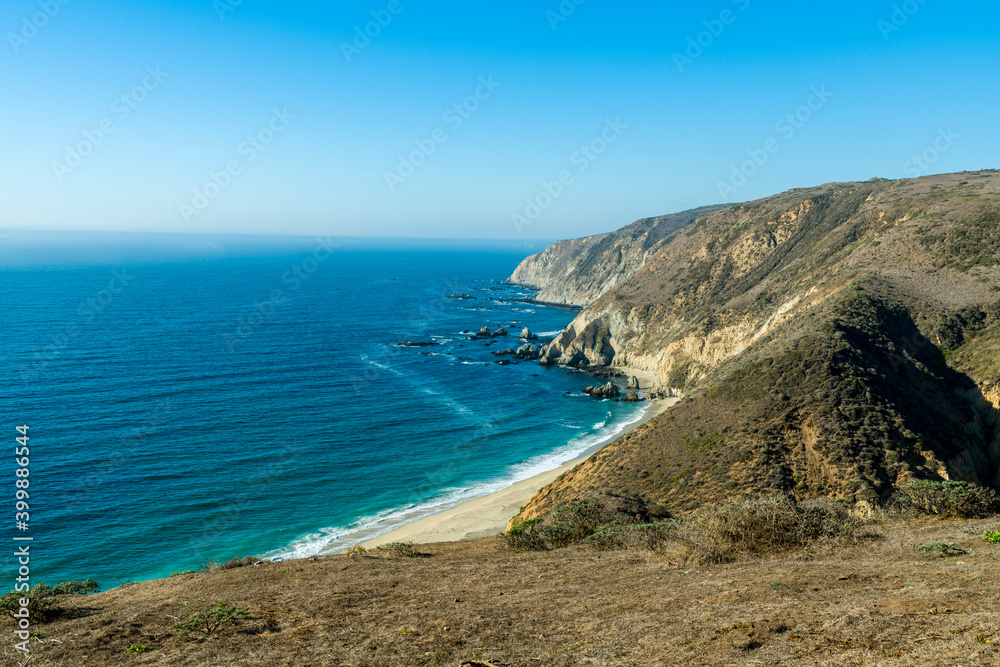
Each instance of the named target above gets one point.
<point>578,271</point>
<point>892,284</point>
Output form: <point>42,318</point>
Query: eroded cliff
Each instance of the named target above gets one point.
<point>837,340</point>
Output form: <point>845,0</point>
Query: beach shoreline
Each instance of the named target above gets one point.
<point>489,515</point>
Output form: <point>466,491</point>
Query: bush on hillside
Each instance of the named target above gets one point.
<point>950,499</point>
<point>715,535</point>
<point>754,527</point>
<point>576,521</point>
<point>42,603</point>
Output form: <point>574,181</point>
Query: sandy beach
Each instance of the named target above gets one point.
<point>489,515</point>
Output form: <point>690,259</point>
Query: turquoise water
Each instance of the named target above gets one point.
<point>217,397</point>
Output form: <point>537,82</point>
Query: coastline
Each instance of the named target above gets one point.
<point>489,515</point>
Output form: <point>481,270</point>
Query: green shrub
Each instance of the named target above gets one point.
<point>576,521</point>
<point>993,537</point>
<point>136,648</point>
<point>526,536</point>
<point>42,605</point>
<point>952,499</point>
<point>85,587</point>
<point>650,536</point>
<point>210,620</point>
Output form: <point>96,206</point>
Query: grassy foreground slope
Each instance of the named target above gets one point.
<point>911,593</point>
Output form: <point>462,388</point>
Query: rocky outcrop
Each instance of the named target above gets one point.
<point>633,383</point>
<point>631,397</point>
<point>486,333</point>
<point>592,346</point>
<point>605,391</point>
<point>528,352</point>
<point>527,335</point>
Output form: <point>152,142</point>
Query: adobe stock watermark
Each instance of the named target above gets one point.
<point>32,25</point>
<point>581,159</point>
<point>920,165</point>
<point>562,13</point>
<point>714,28</point>
<point>223,7</point>
<point>293,279</point>
<point>901,15</point>
<point>363,35</point>
<point>248,151</point>
<point>787,128</point>
<point>121,109</point>
<point>454,117</point>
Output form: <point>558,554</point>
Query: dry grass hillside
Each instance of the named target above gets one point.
<point>837,341</point>
<point>912,593</point>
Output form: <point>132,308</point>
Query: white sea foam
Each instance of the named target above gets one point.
<point>340,538</point>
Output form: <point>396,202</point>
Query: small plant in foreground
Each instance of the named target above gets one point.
<point>993,536</point>
<point>210,620</point>
<point>137,648</point>
<point>942,549</point>
<point>400,550</point>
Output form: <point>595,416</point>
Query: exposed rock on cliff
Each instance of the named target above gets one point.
<point>591,346</point>
<point>576,272</point>
<point>838,340</point>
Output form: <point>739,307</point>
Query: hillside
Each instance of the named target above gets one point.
<point>578,271</point>
<point>879,600</point>
<point>832,341</point>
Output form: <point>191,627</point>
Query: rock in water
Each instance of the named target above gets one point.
<point>607,391</point>
<point>633,383</point>
<point>528,352</point>
<point>631,397</point>
<point>527,335</point>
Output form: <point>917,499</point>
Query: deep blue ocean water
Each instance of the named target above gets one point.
<point>203,398</point>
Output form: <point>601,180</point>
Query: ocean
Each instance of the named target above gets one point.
<point>199,398</point>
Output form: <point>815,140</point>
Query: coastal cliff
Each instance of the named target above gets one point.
<point>841,340</point>
<point>578,271</point>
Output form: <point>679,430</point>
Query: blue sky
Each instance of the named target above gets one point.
<point>254,117</point>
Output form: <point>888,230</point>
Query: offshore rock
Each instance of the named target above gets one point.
<point>607,391</point>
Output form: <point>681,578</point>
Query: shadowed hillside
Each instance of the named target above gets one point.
<point>834,341</point>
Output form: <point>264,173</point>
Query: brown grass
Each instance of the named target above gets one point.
<point>879,600</point>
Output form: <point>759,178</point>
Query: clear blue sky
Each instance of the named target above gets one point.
<point>897,88</point>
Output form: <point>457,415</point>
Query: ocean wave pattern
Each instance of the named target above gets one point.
<point>193,417</point>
